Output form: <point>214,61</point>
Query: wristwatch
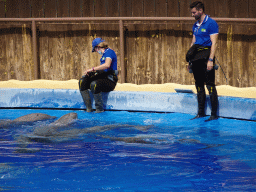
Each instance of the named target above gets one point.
<point>210,59</point>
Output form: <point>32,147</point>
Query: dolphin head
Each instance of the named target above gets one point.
<point>65,119</point>
<point>33,117</point>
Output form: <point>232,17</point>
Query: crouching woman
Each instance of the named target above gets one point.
<point>102,78</point>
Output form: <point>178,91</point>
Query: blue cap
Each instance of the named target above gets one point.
<point>95,42</point>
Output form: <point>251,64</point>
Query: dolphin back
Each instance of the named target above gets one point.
<point>33,117</point>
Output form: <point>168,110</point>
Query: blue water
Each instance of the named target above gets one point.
<point>166,152</point>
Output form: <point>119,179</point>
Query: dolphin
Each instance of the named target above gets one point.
<point>130,140</point>
<point>65,120</point>
<point>44,133</point>
<point>194,141</point>
<point>151,140</point>
<point>53,127</point>
<point>54,132</point>
<point>142,139</point>
<point>33,117</point>
<point>30,118</point>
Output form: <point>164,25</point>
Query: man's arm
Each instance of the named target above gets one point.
<point>214,39</point>
<point>193,40</point>
<point>192,43</point>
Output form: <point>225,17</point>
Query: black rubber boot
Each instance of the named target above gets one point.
<point>214,102</point>
<point>201,97</point>
<point>87,100</point>
<point>98,102</point>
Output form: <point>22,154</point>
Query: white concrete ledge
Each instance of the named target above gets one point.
<point>231,107</point>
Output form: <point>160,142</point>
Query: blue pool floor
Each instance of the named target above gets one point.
<point>135,152</point>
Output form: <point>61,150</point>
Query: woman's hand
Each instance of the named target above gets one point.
<point>88,71</point>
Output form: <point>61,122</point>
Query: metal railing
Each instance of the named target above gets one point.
<point>121,30</point>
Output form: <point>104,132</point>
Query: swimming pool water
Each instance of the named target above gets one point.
<point>139,152</point>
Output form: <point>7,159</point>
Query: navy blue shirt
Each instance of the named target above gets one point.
<point>205,30</point>
<point>109,53</point>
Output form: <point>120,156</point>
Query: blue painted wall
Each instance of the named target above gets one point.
<point>232,107</point>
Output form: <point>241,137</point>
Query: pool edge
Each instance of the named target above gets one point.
<point>231,107</point>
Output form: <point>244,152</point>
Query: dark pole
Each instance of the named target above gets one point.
<point>121,31</point>
<point>35,54</point>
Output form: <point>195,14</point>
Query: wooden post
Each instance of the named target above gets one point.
<point>35,56</point>
<point>121,31</point>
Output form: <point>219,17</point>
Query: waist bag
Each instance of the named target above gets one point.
<point>197,52</point>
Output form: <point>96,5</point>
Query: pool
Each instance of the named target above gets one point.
<point>129,151</point>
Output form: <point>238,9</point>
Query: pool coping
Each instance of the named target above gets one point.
<point>231,107</point>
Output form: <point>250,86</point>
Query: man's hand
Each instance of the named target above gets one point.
<point>209,65</point>
<point>188,67</point>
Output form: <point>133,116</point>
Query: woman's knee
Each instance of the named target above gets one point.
<point>84,83</point>
<point>81,84</point>
<point>94,88</point>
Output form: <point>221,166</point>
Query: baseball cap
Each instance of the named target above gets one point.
<point>95,42</point>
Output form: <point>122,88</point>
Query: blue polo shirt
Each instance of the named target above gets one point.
<point>109,53</point>
<point>205,30</point>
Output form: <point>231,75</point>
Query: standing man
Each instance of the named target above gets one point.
<point>201,58</point>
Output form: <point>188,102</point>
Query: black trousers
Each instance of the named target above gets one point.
<point>201,75</point>
<point>96,84</point>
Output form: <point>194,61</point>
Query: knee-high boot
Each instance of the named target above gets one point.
<point>98,102</point>
<point>214,102</point>
<point>87,100</point>
<point>201,97</point>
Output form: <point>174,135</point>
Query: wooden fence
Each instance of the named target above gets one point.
<point>154,52</point>
<point>123,8</point>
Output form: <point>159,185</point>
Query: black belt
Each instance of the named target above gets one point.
<point>203,48</point>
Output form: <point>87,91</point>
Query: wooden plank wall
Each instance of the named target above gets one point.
<point>154,51</point>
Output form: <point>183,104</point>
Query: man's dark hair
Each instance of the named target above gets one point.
<point>198,5</point>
